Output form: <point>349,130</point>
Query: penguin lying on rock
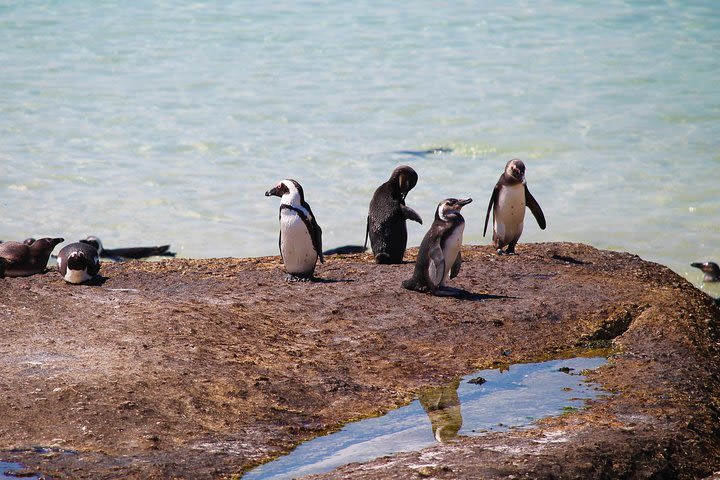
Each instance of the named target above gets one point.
<point>22,260</point>
<point>78,262</point>
<point>300,235</point>
<point>133,253</point>
<point>508,202</point>
<point>439,257</point>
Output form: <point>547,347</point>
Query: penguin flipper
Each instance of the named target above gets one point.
<point>491,205</point>
<point>317,239</point>
<point>456,266</point>
<point>534,207</point>
<point>314,230</point>
<point>411,214</point>
<point>280,246</point>
<point>367,232</point>
<point>436,267</point>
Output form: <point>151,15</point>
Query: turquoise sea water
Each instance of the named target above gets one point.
<point>154,122</point>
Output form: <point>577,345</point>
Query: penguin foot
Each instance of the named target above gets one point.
<point>500,251</point>
<point>411,285</point>
<point>383,258</point>
<point>290,278</point>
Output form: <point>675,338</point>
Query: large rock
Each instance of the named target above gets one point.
<point>203,368</point>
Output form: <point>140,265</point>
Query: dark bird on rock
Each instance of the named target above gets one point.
<point>22,260</point>
<point>387,215</point>
<point>710,269</point>
<point>129,253</point>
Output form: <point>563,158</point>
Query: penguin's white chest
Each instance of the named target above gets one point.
<point>77,276</point>
<point>296,244</point>
<point>451,248</point>
<point>510,212</point>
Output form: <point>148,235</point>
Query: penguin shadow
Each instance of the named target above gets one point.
<point>330,280</point>
<point>96,281</point>
<point>465,295</point>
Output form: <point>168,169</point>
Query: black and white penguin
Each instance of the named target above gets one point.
<point>508,202</point>
<point>710,269</point>
<point>439,257</point>
<point>300,235</point>
<point>22,260</point>
<point>387,215</point>
<point>133,253</point>
<point>78,262</point>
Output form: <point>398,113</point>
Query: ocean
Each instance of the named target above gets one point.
<point>165,122</point>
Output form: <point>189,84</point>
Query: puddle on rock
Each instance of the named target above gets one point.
<point>512,398</point>
<point>14,471</point>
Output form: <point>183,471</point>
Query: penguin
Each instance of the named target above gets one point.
<point>387,215</point>
<point>300,236</point>
<point>710,269</point>
<point>345,250</point>
<point>439,257</point>
<point>121,254</point>
<point>78,262</point>
<point>22,260</point>
<point>508,202</point>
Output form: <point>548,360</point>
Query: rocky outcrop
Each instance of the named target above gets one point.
<point>204,368</point>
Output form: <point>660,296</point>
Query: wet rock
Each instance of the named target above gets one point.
<point>477,381</point>
<point>378,343</point>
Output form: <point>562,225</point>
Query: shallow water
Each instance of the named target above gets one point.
<point>166,122</point>
<point>8,468</point>
<point>513,398</point>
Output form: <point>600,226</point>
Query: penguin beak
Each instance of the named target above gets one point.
<point>273,191</point>
<point>696,265</point>
<point>462,203</point>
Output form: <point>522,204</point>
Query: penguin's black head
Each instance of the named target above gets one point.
<point>515,169</point>
<point>404,178</point>
<point>288,187</point>
<point>77,261</point>
<point>711,269</point>
<point>278,190</point>
<point>451,207</point>
<point>93,242</point>
<point>43,246</point>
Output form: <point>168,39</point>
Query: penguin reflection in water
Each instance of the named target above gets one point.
<point>78,262</point>
<point>508,202</point>
<point>387,215</point>
<point>439,257</point>
<point>300,235</point>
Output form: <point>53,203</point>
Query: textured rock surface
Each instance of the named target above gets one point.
<point>203,368</point>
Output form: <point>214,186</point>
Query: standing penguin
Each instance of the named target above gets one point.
<point>78,262</point>
<point>439,257</point>
<point>508,202</point>
<point>386,218</point>
<point>300,235</point>
<point>22,260</point>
